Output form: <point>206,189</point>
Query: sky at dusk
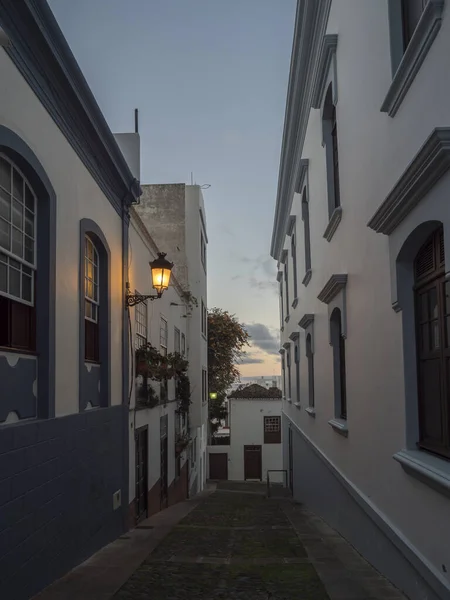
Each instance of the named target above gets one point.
<point>209,78</point>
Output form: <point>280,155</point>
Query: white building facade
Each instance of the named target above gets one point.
<point>65,194</point>
<point>253,438</point>
<point>361,234</point>
<point>174,215</point>
<point>159,473</point>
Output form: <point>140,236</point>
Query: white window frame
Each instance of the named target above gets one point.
<point>92,300</point>
<point>141,323</point>
<point>163,326</point>
<point>183,344</point>
<point>24,267</point>
<point>176,333</point>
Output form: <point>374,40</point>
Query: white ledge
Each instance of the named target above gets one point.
<point>429,469</point>
<point>311,411</point>
<point>297,404</point>
<point>415,53</point>
<point>307,278</point>
<point>430,163</point>
<point>335,219</point>
<point>340,426</point>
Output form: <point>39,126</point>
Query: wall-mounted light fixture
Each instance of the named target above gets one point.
<point>161,270</point>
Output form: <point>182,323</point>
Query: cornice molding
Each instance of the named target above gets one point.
<point>327,51</point>
<point>333,223</point>
<point>281,351</point>
<point>43,57</point>
<point>291,225</point>
<point>284,256</point>
<point>279,276</point>
<point>334,285</point>
<point>427,167</point>
<point>310,26</point>
<point>306,320</point>
<point>287,345</point>
<point>294,336</point>
<point>415,53</point>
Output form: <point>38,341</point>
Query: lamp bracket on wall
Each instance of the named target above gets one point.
<point>133,299</point>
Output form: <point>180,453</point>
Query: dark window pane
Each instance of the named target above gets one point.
<point>14,282</point>
<point>447,298</point>
<point>5,205</point>
<point>26,287</point>
<point>447,331</point>
<point>29,223</point>
<point>22,326</point>
<point>431,401</point>
<point>17,185</point>
<point>17,242</point>
<point>5,174</point>
<point>3,277</point>
<point>425,338</point>
<point>4,321</point>
<point>29,250</point>
<point>17,216</point>
<point>435,341</point>
<point>91,341</point>
<point>29,199</point>
<point>433,305</point>
<point>5,234</point>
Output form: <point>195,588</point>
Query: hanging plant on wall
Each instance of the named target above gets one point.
<point>151,364</point>
<point>181,443</point>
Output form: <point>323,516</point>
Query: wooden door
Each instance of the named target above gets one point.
<point>218,466</point>
<point>141,465</point>
<point>252,462</point>
<point>164,452</point>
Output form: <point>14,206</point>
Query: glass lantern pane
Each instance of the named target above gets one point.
<point>5,174</point>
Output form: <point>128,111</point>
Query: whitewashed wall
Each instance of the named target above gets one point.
<point>247,428</point>
<point>140,254</point>
<point>374,151</point>
<point>21,112</point>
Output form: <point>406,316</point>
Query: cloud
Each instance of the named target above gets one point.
<point>248,359</point>
<point>261,284</point>
<point>262,338</point>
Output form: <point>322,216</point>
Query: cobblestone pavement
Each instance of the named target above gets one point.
<point>245,546</point>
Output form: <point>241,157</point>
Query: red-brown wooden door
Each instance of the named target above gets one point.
<point>252,462</point>
<point>218,466</point>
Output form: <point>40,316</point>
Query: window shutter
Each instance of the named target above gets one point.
<point>425,263</point>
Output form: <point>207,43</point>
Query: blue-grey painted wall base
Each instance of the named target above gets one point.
<point>57,480</point>
<point>325,490</point>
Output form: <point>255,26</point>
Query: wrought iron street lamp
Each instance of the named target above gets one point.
<point>161,270</point>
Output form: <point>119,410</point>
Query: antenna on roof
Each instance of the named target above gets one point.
<point>136,120</point>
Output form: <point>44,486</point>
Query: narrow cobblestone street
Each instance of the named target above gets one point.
<point>239,544</point>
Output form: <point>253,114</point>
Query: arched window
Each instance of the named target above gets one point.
<point>310,358</point>
<point>297,370</point>
<point>432,305</point>
<point>91,300</point>
<point>330,138</point>
<point>294,262</point>
<point>338,343</point>
<point>305,217</point>
<point>18,260</point>
<point>95,320</point>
